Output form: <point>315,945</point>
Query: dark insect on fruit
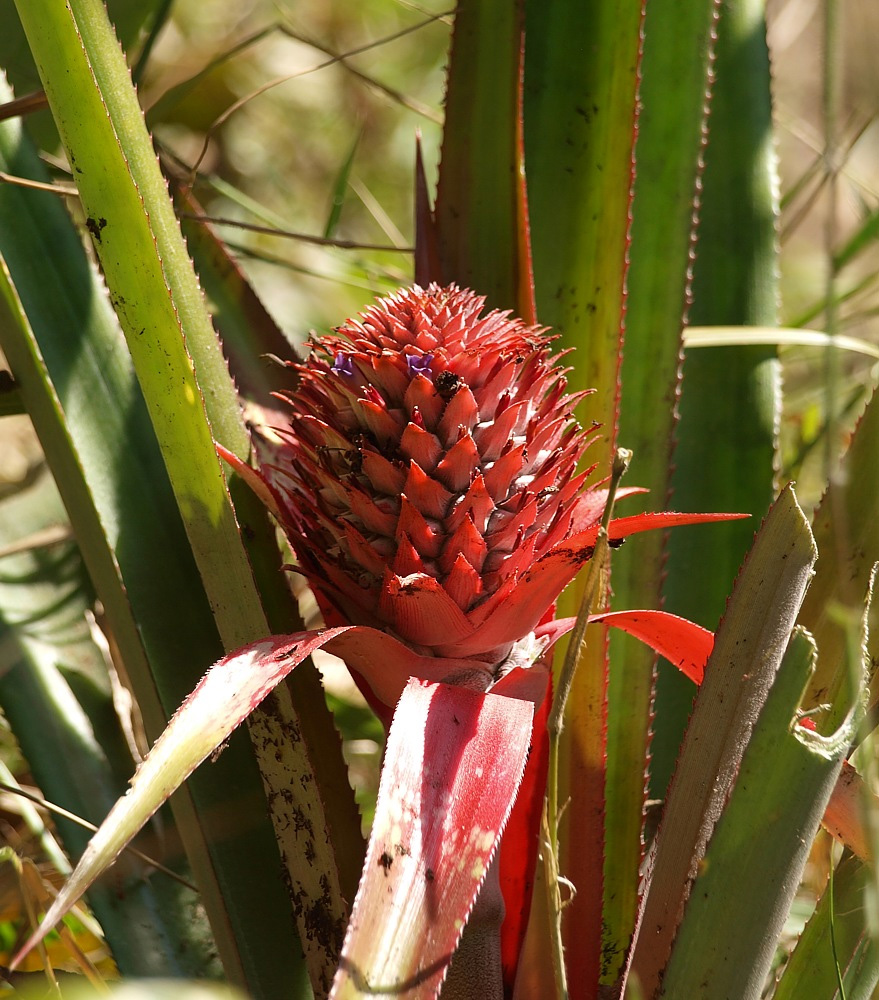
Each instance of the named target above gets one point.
<point>447,384</point>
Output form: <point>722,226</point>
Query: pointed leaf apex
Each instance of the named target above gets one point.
<point>427,266</point>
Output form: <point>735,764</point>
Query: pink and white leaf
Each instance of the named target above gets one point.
<point>223,698</point>
<point>453,764</point>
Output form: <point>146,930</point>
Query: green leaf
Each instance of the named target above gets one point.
<point>128,16</point>
<point>747,651</point>
<point>56,697</point>
<point>581,63</point>
<point>777,336</point>
<point>169,334</point>
<point>153,289</point>
<point>847,533</point>
<point>340,188</point>
<point>221,701</point>
<point>746,883</point>
<point>150,989</point>
<point>249,334</point>
<point>812,968</point>
<point>480,213</point>
<point>678,47</point>
<point>581,67</point>
<point>866,234</point>
<point>245,326</point>
<point>76,378</point>
<point>725,456</point>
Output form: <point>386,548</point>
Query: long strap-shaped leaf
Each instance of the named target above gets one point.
<point>756,856</point>
<point>747,651</point>
<point>847,531</point>
<point>730,396</point>
<point>688,646</point>
<point>746,883</point>
<point>482,233</point>
<point>62,341</point>
<point>152,285</point>
<point>581,77</point>
<point>814,966</point>
<point>224,697</point>
<point>55,696</point>
<point>678,50</point>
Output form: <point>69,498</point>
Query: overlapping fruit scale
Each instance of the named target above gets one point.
<point>430,466</point>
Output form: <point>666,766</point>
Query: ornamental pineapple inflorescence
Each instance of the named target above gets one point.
<point>429,482</point>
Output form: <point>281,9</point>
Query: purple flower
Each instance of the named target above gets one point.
<point>419,364</point>
<point>343,364</point>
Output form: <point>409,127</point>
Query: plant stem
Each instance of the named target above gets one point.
<point>595,592</point>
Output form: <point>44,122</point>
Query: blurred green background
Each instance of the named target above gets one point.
<point>300,118</point>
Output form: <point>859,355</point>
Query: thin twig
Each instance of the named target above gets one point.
<point>66,814</point>
<point>54,535</point>
<point>320,241</point>
<point>26,182</point>
<point>334,59</point>
<point>24,105</point>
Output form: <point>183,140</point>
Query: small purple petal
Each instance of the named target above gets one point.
<point>419,365</point>
<point>343,364</point>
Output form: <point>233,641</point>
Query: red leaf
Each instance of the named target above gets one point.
<point>453,763</point>
<point>622,527</point>
<point>223,698</point>
<point>680,641</point>
<point>519,605</point>
<point>518,859</point>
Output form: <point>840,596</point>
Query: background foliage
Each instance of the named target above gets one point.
<point>329,152</point>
